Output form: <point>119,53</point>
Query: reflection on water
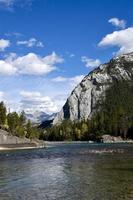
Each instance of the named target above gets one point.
<point>68,172</point>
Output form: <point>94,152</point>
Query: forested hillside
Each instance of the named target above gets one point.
<point>113,115</point>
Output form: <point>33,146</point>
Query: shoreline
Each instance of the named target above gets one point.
<point>18,148</point>
<point>88,142</point>
<point>23,146</point>
<point>51,143</point>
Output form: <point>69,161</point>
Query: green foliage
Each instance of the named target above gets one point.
<point>22,118</point>
<point>16,124</point>
<point>20,131</point>
<point>31,132</point>
<point>67,130</point>
<point>28,129</point>
<point>13,121</point>
<point>2,114</point>
<point>116,109</point>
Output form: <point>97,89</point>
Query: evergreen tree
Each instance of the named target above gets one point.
<point>28,129</point>
<point>13,121</point>
<point>22,118</point>
<point>2,114</point>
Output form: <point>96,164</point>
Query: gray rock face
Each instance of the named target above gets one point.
<point>81,103</point>
<point>111,139</point>
<point>6,138</point>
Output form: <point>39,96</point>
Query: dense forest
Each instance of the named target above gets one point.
<point>113,115</point>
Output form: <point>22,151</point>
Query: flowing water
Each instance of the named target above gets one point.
<point>68,172</point>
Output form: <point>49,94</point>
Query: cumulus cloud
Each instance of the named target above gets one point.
<point>30,43</point>
<point>4,44</point>
<point>30,64</point>
<point>89,62</point>
<point>6,68</point>
<point>35,101</point>
<point>117,22</point>
<point>123,39</point>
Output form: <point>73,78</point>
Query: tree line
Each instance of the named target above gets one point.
<point>16,124</point>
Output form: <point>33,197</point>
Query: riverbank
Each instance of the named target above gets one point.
<point>21,146</point>
<point>10,142</point>
<point>114,139</point>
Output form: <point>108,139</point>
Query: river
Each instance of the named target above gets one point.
<point>68,172</point>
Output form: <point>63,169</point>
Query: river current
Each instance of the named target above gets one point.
<point>68,172</point>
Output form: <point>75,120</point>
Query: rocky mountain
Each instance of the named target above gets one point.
<point>82,101</point>
<point>48,121</point>
<point>38,117</point>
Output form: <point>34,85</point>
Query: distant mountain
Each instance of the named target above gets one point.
<point>82,102</point>
<point>39,117</point>
<point>48,122</point>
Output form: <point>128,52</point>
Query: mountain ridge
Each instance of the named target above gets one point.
<point>82,100</point>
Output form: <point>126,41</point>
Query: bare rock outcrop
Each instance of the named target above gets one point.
<point>82,101</point>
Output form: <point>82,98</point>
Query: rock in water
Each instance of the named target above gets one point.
<point>82,101</point>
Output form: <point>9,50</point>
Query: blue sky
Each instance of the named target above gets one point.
<point>47,46</point>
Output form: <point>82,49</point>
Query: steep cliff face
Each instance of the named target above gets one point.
<point>81,103</point>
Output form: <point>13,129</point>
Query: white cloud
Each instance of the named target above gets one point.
<point>6,68</point>
<point>60,99</point>
<point>2,96</point>
<point>52,59</point>
<point>7,2</point>
<point>16,34</point>
<point>35,101</point>
<point>10,4</point>
<point>49,98</point>
<point>77,79</point>
<point>30,64</point>
<point>117,22</point>
<point>72,55</point>
<point>4,44</point>
<point>73,81</point>
<point>89,62</point>
<point>122,39</point>
<point>30,43</point>
<point>60,79</point>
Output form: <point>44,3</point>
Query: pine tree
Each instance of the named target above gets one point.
<point>28,129</point>
<point>13,122</point>
<point>2,114</point>
<point>22,118</point>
